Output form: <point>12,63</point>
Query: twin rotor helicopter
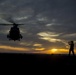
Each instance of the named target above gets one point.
<point>14,32</point>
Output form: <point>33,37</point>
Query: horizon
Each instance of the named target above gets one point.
<point>50,52</point>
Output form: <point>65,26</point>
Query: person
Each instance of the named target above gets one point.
<point>71,49</point>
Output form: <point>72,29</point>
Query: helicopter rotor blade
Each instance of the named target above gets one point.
<point>11,24</point>
<point>9,19</point>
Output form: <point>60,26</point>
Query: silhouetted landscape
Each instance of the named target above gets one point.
<point>37,59</point>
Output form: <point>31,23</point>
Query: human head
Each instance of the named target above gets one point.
<point>72,41</point>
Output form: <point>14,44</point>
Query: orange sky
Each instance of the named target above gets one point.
<point>37,50</point>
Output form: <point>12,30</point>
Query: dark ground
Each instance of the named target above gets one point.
<point>37,59</point>
<point>37,63</point>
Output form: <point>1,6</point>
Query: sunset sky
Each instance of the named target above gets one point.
<point>48,25</point>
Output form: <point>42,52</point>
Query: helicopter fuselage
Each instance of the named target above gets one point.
<point>14,34</point>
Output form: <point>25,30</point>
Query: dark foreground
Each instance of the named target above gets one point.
<point>37,59</point>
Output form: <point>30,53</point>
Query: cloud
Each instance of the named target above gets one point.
<point>47,23</point>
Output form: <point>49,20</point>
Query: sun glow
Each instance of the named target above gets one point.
<point>54,50</point>
<point>57,51</point>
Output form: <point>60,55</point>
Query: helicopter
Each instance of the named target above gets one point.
<point>14,32</point>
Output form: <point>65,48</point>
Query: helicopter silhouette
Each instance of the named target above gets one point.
<point>14,32</point>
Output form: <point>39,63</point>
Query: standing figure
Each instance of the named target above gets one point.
<point>71,49</point>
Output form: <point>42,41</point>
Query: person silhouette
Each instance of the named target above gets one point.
<point>71,49</point>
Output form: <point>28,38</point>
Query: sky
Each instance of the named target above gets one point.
<point>48,25</point>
